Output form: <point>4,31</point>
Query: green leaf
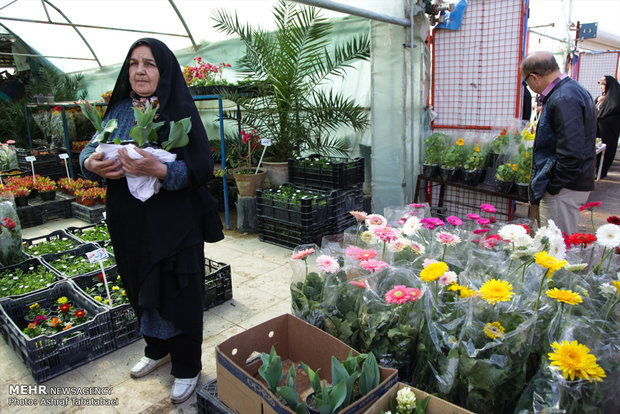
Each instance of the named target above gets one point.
<point>313,377</point>
<point>341,375</point>
<point>337,395</point>
<point>370,374</point>
<point>107,131</point>
<point>420,407</point>
<point>271,369</point>
<point>178,137</point>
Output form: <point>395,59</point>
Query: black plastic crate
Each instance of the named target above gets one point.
<point>49,356</point>
<point>289,235</point>
<point>326,172</point>
<point>218,283</point>
<point>346,200</point>
<point>30,216</point>
<point>78,251</point>
<point>30,245</point>
<point>216,189</point>
<point>27,265</point>
<point>38,211</point>
<point>123,318</point>
<point>309,212</point>
<point>88,214</point>
<point>86,234</point>
<point>208,401</point>
<point>341,223</point>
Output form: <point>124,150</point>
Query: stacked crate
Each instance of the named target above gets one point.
<point>334,188</point>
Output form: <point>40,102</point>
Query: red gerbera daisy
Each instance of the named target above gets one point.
<point>590,206</point>
<point>580,239</point>
<point>614,220</point>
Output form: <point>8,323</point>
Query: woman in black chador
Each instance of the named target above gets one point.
<point>608,119</point>
<point>159,243</point>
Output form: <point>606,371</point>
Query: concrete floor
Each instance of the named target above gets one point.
<point>260,275</point>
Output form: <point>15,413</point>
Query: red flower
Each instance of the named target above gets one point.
<point>100,277</point>
<point>79,313</point>
<point>614,220</point>
<point>580,238</point>
<point>64,307</point>
<point>492,219</point>
<point>8,223</point>
<point>590,206</point>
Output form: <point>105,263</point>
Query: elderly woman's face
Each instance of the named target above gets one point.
<point>143,72</point>
<point>601,82</point>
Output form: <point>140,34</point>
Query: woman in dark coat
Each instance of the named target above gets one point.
<point>159,243</point>
<point>608,119</point>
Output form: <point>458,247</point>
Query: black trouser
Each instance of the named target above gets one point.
<point>184,354</point>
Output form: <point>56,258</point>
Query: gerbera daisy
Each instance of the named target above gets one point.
<point>616,283</point>
<point>366,254</point>
<point>483,221</point>
<point>433,271</point>
<point>608,235</point>
<point>481,231</point>
<point>411,226</point>
<point>494,330</point>
<point>352,251</point>
<point>385,233</point>
<point>566,296</point>
<point>460,142</point>
<point>455,221</point>
<point>417,248</point>
<point>448,239</point>
<point>398,245</point>
<point>368,237</point>
<point>614,220</point>
<point>447,278</point>
<point>495,290</point>
<point>402,294</point>
<point>574,359</point>
<point>473,217</point>
<point>302,254</point>
<point>488,208</point>
<point>416,205</point>
<point>374,265</point>
<point>359,215</point>
<point>511,232</point>
<point>590,206</point>
<point>549,262</point>
<point>375,220</point>
<point>583,239</point>
<point>327,264</point>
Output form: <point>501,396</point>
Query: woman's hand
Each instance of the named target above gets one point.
<point>106,169</point>
<point>149,165</point>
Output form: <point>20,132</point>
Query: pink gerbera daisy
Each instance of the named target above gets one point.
<point>359,215</point>
<point>473,216</point>
<point>374,265</point>
<point>385,233</point>
<point>402,294</point>
<point>483,221</point>
<point>416,205</point>
<point>327,264</point>
<point>488,208</point>
<point>481,231</point>
<point>455,221</point>
<point>375,220</point>
<point>448,239</point>
<point>366,254</point>
<point>302,254</point>
<point>352,251</point>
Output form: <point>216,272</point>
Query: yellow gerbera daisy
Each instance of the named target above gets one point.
<point>494,330</point>
<point>463,291</point>
<point>62,300</point>
<point>460,142</point>
<point>433,271</point>
<point>495,290</point>
<point>616,283</point>
<point>574,359</point>
<point>566,296</point>
<point>549,262</point>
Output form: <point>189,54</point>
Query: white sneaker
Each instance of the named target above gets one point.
<point>183,388</point>
<point>147,365</point>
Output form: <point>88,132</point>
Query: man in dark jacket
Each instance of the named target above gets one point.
<point>564,149</point>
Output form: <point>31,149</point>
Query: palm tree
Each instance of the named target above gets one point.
<point>292,67</point>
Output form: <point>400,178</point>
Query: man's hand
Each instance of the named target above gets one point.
<point>106,169</point>
<point>149,165</point>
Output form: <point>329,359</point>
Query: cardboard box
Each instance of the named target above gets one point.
<point>435,405</point>
<point>241,388</point>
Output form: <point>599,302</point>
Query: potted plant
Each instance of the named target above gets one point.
<point>248,178</point>
<point>452,160</point>
<point>524,167</point>
<point>21,195</point>
<point>202,75</point>
<point>473,166</point>
<point>47,189</point>
<point>499,146</point>
<point>289,67</point>
<point>504,177</point>
<point>434,145</point>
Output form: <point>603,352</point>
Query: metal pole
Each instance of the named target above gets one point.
<point>180,16</point>
<point>412,171</point>
<point>356,11</point>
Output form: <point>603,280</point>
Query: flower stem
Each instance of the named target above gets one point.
<point>601,262</point>
<point>445,246</point>
<point>383,251</point>
<point>592,220</point>
<point>611,306</point>
<point>542,282</point>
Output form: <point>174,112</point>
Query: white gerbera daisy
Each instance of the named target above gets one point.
<point>523,242</point>
<point>447,239</point>
<point>417,248</point>
<point>511,232</point>
<point>576,267</point>
<point>608,235</point>
<point>375,220</point>
<point>368,237</point>
<point>398,244</point>
<point>447,278</point>
<point>557,248</point>
<point>411,226</point>
<point>607,289</point>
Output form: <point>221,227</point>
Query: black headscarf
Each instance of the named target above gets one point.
<point>611,103</point>
<point>175,103</point>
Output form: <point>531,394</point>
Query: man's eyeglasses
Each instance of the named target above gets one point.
<point>524,81</point>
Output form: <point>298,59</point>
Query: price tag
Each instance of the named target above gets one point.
<point>63,156</point>
<point>31,158</point>
<point>98,255</point>
<point>265,141</point>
